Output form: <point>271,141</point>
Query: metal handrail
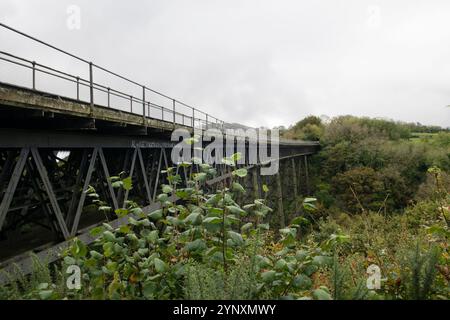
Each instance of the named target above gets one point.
<point>146,105</point>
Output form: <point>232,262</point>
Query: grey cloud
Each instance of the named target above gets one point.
<point>261,62</point>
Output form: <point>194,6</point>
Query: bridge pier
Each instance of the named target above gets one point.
<point>256,181</point>
<point>295,183</point>
<point>280,209</point>
<point>307,175</point>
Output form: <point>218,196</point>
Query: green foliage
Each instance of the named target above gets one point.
<point>359,189</point>
<point>205,246</point>
<point>381,197</point>
<point>310,128</point>
<point>419,272</point>
<point>376,158</point>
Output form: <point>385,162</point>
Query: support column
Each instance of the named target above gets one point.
<point>50,193</point>
<point>158,172</point>
<point>144,176</point>
<point>294,176</point>
<point>76,189</point>
<point>87,181</point>
<point>133,163</point>
<point>9,193</point>
<point>280,201</point>
<point>299,175</point>
<point>307,176</point>
<point>108,179</point>
<point>255,178</point>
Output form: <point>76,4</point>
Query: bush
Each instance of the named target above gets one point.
<point>359,189</point>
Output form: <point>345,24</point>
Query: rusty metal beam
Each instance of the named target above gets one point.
<point>9,193</point>
<point>108,179</point>
<point>49,190</point>
<point>87,180</point>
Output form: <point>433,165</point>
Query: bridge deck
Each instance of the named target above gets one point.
<point>23,108</point>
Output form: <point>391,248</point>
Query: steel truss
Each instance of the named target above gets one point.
<point>45,203</point>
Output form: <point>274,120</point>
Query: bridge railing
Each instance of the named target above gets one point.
<point>171,110</point>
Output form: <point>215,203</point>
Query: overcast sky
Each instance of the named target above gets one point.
<point>258,62</point>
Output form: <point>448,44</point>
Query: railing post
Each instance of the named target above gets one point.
<point>109,104</point>
<point>78,88</point>
<point>173,104</point>
<point>131,104</point>
<point>91,84</point>
<point>206,121</point>
<point>34,75</point>
<point>193,118</point>
<point>143,101</point>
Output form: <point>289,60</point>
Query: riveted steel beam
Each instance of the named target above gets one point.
<point>87,180</point>
<point>49,190</point>
<point>9,193</point>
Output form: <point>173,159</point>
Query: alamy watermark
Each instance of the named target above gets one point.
<point>73,281</point>
<point>373,17</point>
<point>211,146</point>
<point>374,280</point>
<point>73,21</point>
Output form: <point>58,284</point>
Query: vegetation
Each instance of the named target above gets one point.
<point>386,186</point>
<point>380,204</point>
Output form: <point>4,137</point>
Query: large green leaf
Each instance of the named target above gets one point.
<point>156,215</point>
<point>228,162</point>
<point>237,187</point>
<point>213,220</point>
<point>121,212</point>
<point>321,261</point>
<point>45,294</point>
<point>236,237</point>
<point>79,249</point>
<point>152,236</point>
<point>200,177</point>
<point>268,276</point>
<point>160,266</point>
<point>96,231</point>
<point>236,157</point>
<point>196,245</point>
<point>281,264</point>
<point>69,260</point>
<point>309,200</point>
<point>108,249</point>
<point>240,172</point>
<point>167,189</point>
<point>150,289</point>
<point>94,254</point>
<point>137,212</point>
<point>246,226</point>
<point>299,221</point>
<point>127,183</point>
<point>163,197</point>
<point>105,209</point>
<point>236,210</point>
<point>302,282</point>
<point>322,294</point>
<point>195,218</point>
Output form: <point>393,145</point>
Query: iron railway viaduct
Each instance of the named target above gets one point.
<point>57,143</point>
